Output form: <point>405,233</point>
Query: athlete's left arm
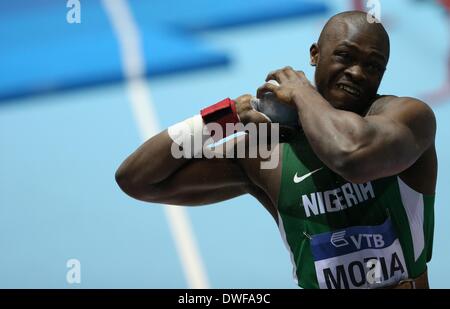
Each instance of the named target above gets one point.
<point>358,148</point>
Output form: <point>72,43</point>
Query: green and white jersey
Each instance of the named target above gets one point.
<point>345,235</point>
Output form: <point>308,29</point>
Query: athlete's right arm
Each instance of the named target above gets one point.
<point>152,174</point>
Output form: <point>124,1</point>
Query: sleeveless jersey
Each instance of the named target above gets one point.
<point>345,235</point>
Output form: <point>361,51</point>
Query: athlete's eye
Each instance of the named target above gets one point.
<point>374,66</point>
<point>343,56</point>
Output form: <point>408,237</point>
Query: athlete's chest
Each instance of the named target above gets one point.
<point>342,228</point>
<point>308,182</point>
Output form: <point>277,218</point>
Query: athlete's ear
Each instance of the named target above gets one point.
<point>314,54</point>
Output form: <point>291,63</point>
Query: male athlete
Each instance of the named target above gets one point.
<point>353,193</point>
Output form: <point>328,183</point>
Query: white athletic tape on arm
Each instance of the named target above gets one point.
<point>190,133</point>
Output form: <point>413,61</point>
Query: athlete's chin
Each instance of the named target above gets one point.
<point>343,101</point>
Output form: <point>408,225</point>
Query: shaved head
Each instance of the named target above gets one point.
<point>350,57</point>
<point>354,20</point>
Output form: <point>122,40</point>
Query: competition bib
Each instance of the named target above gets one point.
<point>358,257</point>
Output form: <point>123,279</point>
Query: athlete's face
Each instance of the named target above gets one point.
<point>350,64</point>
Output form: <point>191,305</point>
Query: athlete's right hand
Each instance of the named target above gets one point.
<point>247,113</point>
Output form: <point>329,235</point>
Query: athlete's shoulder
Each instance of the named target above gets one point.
<point>406,106</point>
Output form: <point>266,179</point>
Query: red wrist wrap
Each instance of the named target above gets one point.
<point>222,113</point>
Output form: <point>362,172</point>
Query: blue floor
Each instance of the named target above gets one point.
<point>59,152</point>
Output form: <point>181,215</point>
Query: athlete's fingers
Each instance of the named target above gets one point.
<point>290,73</point>
<point>300,74</point>
<point>262,118</point>
<point>243,100</point>
<point>278,75</point>
<point>267,87</point>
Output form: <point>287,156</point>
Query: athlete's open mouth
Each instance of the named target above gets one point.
<point>350,90</point>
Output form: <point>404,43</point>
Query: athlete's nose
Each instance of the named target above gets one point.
<point>355,72</point>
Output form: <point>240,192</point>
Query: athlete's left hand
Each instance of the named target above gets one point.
<point>290,82</point>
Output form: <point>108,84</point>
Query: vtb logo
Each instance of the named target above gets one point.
<point>338,239</point>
